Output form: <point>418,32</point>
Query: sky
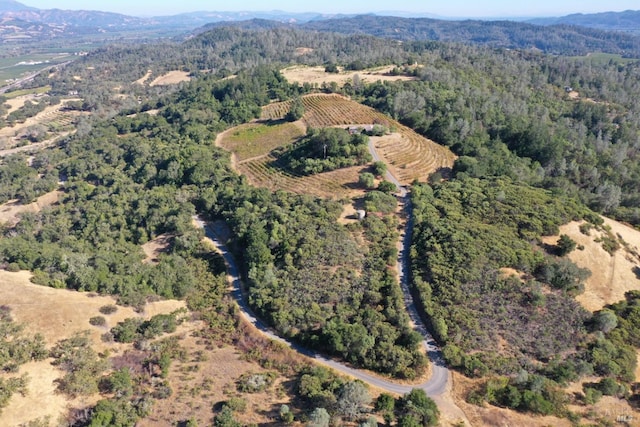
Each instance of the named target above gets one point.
<point>445,8</point>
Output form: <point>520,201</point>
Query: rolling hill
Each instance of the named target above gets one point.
<point>556,39</point>
<point>627,21</point>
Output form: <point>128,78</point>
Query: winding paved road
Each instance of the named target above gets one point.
<point>435,386</point>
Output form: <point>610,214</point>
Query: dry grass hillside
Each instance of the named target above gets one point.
<point>57,314</point>
<point>612,274</point>
<point>317,75</point>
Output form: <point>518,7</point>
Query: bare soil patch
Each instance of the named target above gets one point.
<point>58,314</point>
<point>303,50</point>
<point>10,211</point>
<point>171,78</point>
<point>611,275</point>
<point>142,80</point>
<point>349,215</point>
<point>304,74</point>
<point>154,248</point>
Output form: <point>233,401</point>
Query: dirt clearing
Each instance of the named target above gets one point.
<point>142,80</point>
<point>304,74</point>
<point>154,248</point>
<point>207,378</point>
<point>10,211</point>
<point>171,78</point>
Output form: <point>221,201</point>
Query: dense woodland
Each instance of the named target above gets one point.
<point>556,39</point>
<point>531,159</point>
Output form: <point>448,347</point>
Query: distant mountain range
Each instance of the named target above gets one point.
<point>556,39</point>
<point>19,22</point>
<point>627,21</point>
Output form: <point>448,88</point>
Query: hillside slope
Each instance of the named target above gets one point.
<point>612,274</point>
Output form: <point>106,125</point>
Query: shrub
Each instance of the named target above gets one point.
<point>126,331</point>
<point>162,391</point>
<point>108,309</point>
<point>379,168</point>
<point>98,321</point>
<point>591,395</point>
<point>610,387</point>
<point>253,383</point>
<point>285,414</point>
<point>565,245</point>
<point>331,68</point>
<point>367,180</point>
<point>237,404</point>
<point>13,267</point>
<point>387,187</point>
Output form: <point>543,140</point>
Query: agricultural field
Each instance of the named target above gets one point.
<point>257,139</point>
<point>264,172</point>
<point>56,119</point>
<point>410,156</point>
<point>12,68</point>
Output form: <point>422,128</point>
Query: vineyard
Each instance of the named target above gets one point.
<point>409,156</point>
<point>257,139</point>
<point>264,172</point>
<point>329,110</point>
<point>56,119</point>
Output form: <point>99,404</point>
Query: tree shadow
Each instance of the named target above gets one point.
<point>636,271</point>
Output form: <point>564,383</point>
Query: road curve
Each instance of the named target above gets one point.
<point>435,386</point>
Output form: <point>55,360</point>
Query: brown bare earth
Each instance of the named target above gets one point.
<point>57,314</point>
<point>316,75</point>
<point>142,80</point>
<point>208,378</point>
<point>10,211</point>
<point>154,248</point>
<point>611,276</point>
<point>349,215</point>
<point>171,78</point>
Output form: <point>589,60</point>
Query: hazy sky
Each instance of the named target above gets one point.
<point>452,8</point>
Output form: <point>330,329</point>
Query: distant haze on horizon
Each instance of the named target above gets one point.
<point>450,8</point>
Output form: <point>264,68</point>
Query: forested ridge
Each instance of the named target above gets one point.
<point>531,158</point>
